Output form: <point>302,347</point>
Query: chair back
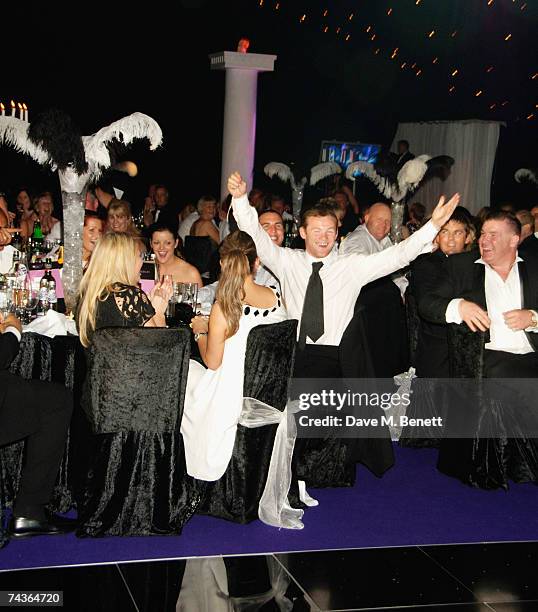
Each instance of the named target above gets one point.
<point>199,251</point>
<point>136,379</point>
<point>413,324</point>
<point>465,352</point>
<point>269,360</point>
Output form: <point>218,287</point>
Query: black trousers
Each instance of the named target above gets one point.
<point>500,364</point>
<point>39,412</point>
<point>316,361</point>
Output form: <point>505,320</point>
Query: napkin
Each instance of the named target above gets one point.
<point>52,324</point>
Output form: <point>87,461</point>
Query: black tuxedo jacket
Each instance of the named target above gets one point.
<point>9,347</point>
<point>427,271</point>
<point>528,247</point>
<point>465,279</point>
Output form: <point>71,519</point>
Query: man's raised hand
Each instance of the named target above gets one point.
<point>236,185</point>
<point>443,211</point>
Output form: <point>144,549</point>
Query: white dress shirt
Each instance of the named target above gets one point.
<point>186,225</point>
<point>360,241</point>
<point>343,276</point>
<point>501,296</point>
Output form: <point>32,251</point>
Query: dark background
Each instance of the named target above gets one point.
<point>100,62</point>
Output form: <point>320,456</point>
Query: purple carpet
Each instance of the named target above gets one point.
<point>412,504</point>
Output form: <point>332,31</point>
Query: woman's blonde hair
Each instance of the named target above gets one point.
<point>237,260</point>
<point>113,261</point>
<point>122,207</point>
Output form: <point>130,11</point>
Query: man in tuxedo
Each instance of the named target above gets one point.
<point>427,271</point>
<point>496,293</point>
<point>160,209</point>
<point>404,155</point>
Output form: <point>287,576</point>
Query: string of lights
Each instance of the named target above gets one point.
<point>358,25</point>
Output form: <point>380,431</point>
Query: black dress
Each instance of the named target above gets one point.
<point>125,306</point>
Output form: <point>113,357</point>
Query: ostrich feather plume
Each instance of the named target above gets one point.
<point>56,133</point>
<point>323,170</point>
<point>125,130</point>
<point>526,174</point>
<point>14,134</point>
<point>278,169</point>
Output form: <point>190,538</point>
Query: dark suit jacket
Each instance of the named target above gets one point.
<point>9,347</point>
<point>529,246</point>
<point>465,279</point>
<point>427,271</point>
<point>406,157</point>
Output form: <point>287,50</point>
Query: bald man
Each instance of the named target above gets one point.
<point>373,237</point>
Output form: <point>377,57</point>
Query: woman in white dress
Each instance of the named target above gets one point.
<point>214,397</point>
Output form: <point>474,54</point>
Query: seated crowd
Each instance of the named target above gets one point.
<point>453,268</point>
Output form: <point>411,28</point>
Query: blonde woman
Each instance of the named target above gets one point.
<point>214,397</point>
<point>109,294</point>
<point>119,217</point>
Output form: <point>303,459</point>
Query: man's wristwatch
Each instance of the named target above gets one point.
<point>534,319</point>
<point>197,336</point>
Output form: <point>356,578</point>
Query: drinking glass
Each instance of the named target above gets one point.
<point>30,302</point>
<point>190,294</point>
<point>5,301</point>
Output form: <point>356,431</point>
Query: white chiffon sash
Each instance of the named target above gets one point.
<point>274,508</point>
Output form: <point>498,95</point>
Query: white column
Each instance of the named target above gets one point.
<point>239,132</point>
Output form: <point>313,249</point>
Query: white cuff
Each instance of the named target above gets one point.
<point>452,314</point>
<point>13,330</point>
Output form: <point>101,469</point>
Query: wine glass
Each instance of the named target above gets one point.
<point>30,302</point>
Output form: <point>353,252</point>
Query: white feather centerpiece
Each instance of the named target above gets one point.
<point>285,174</point>
<point>87,164</point>
<point>133,127</point>
<point>323,170</point>
<point>384,184</point>
<point>278,169</point>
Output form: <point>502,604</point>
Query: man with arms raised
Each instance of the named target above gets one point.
<point>320,286</point>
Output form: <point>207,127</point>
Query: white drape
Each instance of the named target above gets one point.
<point>472,144</point>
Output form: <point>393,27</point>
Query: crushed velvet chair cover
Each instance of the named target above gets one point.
<point>484,460</point>
<point>413,324</point>
<point>268,369</point>
<point>133,398</point>
<point>59,360</point>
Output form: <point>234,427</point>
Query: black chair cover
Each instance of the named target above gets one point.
<point>483,459</point>
<point>200,251</point>
<point>268,369</point>
<point>59,360</point>
<point>135,389</point>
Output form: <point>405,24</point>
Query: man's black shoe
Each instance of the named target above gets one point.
<point>21,527</point>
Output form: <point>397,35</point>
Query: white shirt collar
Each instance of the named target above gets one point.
<point>326,260</point>
<point>481,261</point>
